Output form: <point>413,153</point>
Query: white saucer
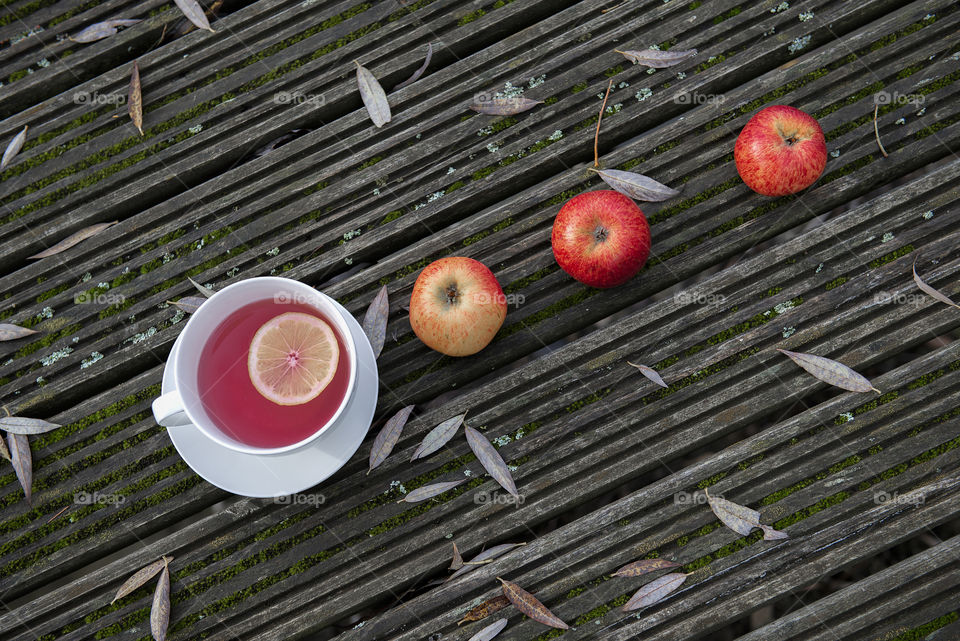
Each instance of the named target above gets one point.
<point>291,472</point>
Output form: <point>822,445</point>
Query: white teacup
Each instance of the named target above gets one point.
<point>181,407</point>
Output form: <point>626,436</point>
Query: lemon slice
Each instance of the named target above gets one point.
<point>293,357</point>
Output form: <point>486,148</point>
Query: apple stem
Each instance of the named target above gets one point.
<point>596,136</point>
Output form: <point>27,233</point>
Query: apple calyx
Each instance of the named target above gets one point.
<point>452,294</point>
<point>600,233</point>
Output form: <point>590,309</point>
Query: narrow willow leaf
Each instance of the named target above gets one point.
<point>387,438</point>
<point>927,289</point>
<point>22,462</point>
<point>509,106</point>
<point>769,534</point>
<point>160,611</point>
<point>438,437</point>
<point>491,460</point>
<point>485,609</point>
<point>428,491</point>
<point>658,59</point>
<point>737,517</point>
<point>375,321</point>
<point>419,72</point>
<point>457,561</point>
<point>140,577</point>
<point>484,557</point>
<point>636,186</point>
<point>830,371</point>
<point>644,566</point>
<point>194,13</point>
<point>655,591</point>
<point>650,373</point>
<point>73,239</point>
<point>490,631</point>
<point>189,304</point>
<point>14,147</point>
<point>101,30</point>
<point>529,605</point>
<point>23,425</point>
<point>203,289</point>
<point>373,95</point>
<point>10,332</point>
<point>135,99</point>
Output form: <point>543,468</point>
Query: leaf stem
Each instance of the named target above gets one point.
<point>876,131</point>
<point>596,136</point>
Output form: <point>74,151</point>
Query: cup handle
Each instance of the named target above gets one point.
<point>168,410</point>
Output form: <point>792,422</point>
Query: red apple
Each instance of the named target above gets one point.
<point>780,151</point>
<point>457,306</point>
<point>601,238</point>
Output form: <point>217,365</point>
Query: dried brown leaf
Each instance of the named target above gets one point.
<point>73,239</point>
<point>24,425</point>
<point>203,289</point>
<point>140,577</point>
<point>194,13</point>
<point>737,517</point>
<point>135,99</point>
<point>188,304</point>
<point>485,609</point>
<point>830,371</point>
<point>927,289</point>
<point>428,491</point>
<point>657,59</point>
<point>10,332</point>
<point>655,591</point>
<point>509,106</point>
<point>419,72</point>
<point>387,438</point>
<point>491,460</point>
<point>645,566</point>
<point>484,557</point>
<point>530,606</point>
<point>636,186</point>
<point>160,611</point>
<point>438,437</point>
<point>650,373</point>
<point>375,321</point>
<point>22,462</point>
<point>490,631</point>
<point>101,30</point>
<point>457,561</point>
<point>373,95</point>
<point>14,147</point>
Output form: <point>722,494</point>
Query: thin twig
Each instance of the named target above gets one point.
<point>65,508</point>
<point>876,131</point>
<point>596,136</point>
<point>616,6</point>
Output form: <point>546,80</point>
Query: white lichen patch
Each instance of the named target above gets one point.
<point>799,43</point>
<point>806,15</point>
<point>467,473</point>
<point>142,336</point>
<point>273,252</point>
<point>784,306</point>
<point>846,416</point>
<point>196,129</point>
<point>681,75</point>
<point>450,170</point>
<point>46,312</point>
<point>835,153</point>
<point>783,6</point>
<point>500,441</point>
<point>556,135</point>
<point>887,237</point>
<point>87,362</point>
<point>819,268</point>
<point>352,234</point>
<point>86,277</point>
<point>509,91</point>
<point>398,485</point>
<point>643,94</point>
<point>485,131</point>
<point>178,316</point>
<point>612,109</point>
<point>493,147</point>
<point>927,215</point>
<point>900,121</point>
<point>434,196</point>
<point>348,261</point>
<point>50,359</point>
<point>536,82</point>
<point>623,85</point>
<point>789,331</point>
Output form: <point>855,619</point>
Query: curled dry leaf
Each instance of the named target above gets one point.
<point>135,99</point>
<point>73,239</point>
<point>160,611</point>
<point>655,591</point>
<point>194,13</point>
<point>636,186</point>
<point>657,59</point>
<point>428,491</point>
<point>22,462</point>
<point>529,605</point>
<point>438,437</point>
<point>23,425</point>
<point>101,30</point>
<point>485,609</point>
<point>645,566</point>
<point>737,517</point>
<point>373,95</point>
<point>486,556</point>
<point>830,371</point>
<point>375,321</point>
<point>650,373</point>
<point>508,106</point>
<point>457,561</point>
<point>491,460</point>
<point>927,289</point>
<point>387,438</point>
<point>203,289</point>
<point>140,577</point>
<point>490,631</point>
<point>14,147</point>
<point>10,332</point>
<point>419,72</point>
<point>188,304</point>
